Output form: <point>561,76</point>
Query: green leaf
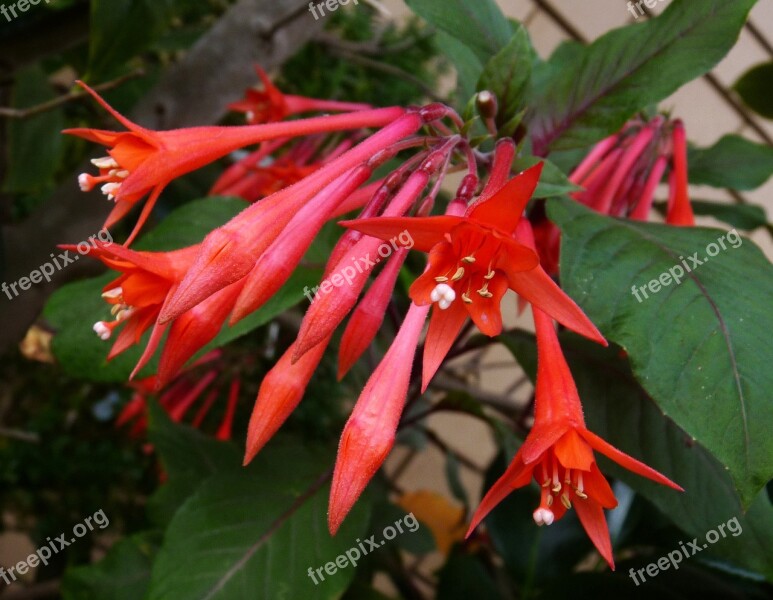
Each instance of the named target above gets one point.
<point>743,216</point>
<point>478,24</point>
<point>255,533</point>
<point>34,144</point>
<point>619,410</point>
<point>756,89</point>
<point>463,577</point>
<point>188,458</point>
<point>468,66</point>
<point>508,73</point>
<point>552,182</point>
<point>710,373</point>
<point>124,573</point>
<point>587,94</point>
<point>733,162</point>
<point>120,30</point>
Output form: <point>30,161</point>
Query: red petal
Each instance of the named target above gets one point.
<point>118,116</point>
<point>444,327</point>
<point>573,452</point>
<point>486,312</point>
<point>621,458</point>
<point>595,525</point>
<point>425,232</point>
<point>504,209</point>
<point>597,487</point>
<point>539,289</point>
<point>541,438</point>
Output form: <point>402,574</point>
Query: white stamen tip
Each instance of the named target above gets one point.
<point>543,516</point>
<point>106,162</point>
<point>110,188</point>
<point>443,294</point>
<point>250,116</point>
<point>116,292</point>
<point>102,330</point>
<point>84,181</point>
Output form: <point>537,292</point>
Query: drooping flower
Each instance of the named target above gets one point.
<point>141,161</point>
<point>370,432</point>
<point>270,104</point>
<point>558,452</point>
<point>473,260</point>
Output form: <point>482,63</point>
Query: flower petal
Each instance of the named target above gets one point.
<point>621,458</point>
<point>541,438</point>
<point>504,209</point>
<point>444,327</point>
<point>592,518</point>
<point>573,452</point>
<point>425,232</point>
<point>539,289</point>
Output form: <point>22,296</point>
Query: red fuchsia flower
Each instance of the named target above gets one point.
<point>370,432</point>
<point>231,251</point>
<point>137,297</point>
<point>270,104</point>
<point>558,452</point>
<point>142,161</point>
<point>620,176</point>
<point>180,396</point>
<point>473,260</point>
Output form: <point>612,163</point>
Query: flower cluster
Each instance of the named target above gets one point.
<point>620,175</point>
<point>478,249</point>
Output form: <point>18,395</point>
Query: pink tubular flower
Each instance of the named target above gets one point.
<point>230,252</point>
<point>620,176</point>
<point>141,161</point>
<point>369,433</point>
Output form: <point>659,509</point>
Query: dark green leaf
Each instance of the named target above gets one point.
<point>552,181</point>
<point>756,89</point>
<point>464,577</point>
<point>188,458</point>
<point>255,533</point>
<point>508,73</point>
<point>124,574</point>
<point>742,216</point>
<point>478,24</point>
<point>710,374</point>
<point>587,94</point>
<point>733,162</point>
<point>121,29</point>
<point>468,66</point>
<point>35,143</point>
